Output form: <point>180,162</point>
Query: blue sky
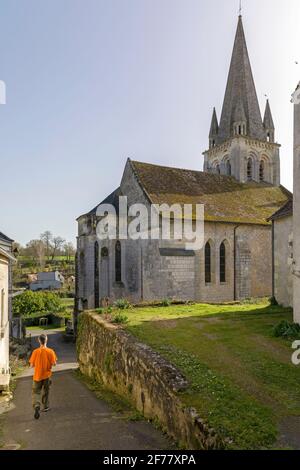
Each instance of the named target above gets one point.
<point>93,82</point>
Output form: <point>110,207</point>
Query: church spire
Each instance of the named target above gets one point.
<point>214,129</point>
<point>240,93</point>
<point>269,123</point>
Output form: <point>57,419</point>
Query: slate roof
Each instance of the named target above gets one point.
<point>111,199</point>
<point>285,211</point>
<point>225,199</point>
<point>5,238</point>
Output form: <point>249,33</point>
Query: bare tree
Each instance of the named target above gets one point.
<point>69,250</point>
<point>47,238</point>
<point>36,250</point>
<point>57,244</point>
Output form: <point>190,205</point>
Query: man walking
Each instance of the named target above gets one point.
<point>42,359</point>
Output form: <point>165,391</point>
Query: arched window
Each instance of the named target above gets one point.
<point>222,262</point>
<point>104,252</point>
<point>261,171</point>
<point>249,169</point>
<point>207,263</point>
<point>96,276</point>
<point>218,171</point>
<point>118,262</point>
<point>228,168</point>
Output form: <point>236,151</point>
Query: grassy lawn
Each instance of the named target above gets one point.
<point>241,378</point>
<point>44,328</point>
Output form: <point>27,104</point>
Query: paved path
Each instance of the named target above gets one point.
<point>77,420</point>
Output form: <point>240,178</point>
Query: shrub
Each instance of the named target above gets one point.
<point>286,329</point>
<point>122,304</point>
<point>29,303</point>
<point>120,318</point>
<point>99,311</point>
<point>52,303</point>
<point>166,302</point>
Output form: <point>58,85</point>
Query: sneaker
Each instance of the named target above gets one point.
<point>37,412</point>
<point>47,408</point>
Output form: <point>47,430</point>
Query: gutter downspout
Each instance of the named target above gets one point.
<point>273,259</point>
<point>234,262</point>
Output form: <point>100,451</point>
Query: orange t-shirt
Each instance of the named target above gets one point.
<point>42,359</point>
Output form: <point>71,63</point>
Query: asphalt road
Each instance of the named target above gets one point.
<point>78,420</point>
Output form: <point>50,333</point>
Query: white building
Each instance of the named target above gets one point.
<point>296,211</point>
<point>286,233</point>
<point>48,281</point>
<point>5,260</point>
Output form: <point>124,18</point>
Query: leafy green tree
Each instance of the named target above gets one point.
<point>29,303</point>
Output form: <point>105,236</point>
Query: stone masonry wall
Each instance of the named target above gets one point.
<point>283,252</point>
<point>129,368</point>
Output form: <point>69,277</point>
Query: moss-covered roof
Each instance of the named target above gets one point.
<point>224,198</point>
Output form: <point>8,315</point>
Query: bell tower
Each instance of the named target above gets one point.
<point>243,145</point>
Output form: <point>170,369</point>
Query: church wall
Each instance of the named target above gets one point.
<point>283,250</point>
<point>216,291</point>
<point>154,270</point>
<point>253,261</point>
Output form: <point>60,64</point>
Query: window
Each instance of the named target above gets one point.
<point>207,263</point>
<point>228,168</point>
<point>118,262</point>
<point>261,171</point>
<point>218,171</point>
<point>222,262</point>
<point>249,169</point>
<point>104,252</point>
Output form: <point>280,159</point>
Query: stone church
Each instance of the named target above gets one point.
<point>240,190</point>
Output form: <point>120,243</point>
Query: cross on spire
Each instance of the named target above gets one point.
<point>240,9</point>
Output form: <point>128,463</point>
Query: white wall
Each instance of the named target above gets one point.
<point>4,342</point>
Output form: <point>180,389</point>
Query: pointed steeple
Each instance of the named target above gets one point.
<point>214,127</point>
<point>240,93</point>
<point>269,124</point>
<point>268,119</point>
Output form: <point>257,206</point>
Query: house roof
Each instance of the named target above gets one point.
<point>5,238</point>
<point>284,211</point>
<point>225,199</point>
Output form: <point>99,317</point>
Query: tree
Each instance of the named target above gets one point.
<point>57,244</point>
<point>69,250</point>
<point>47,238</point>
<point>36,250</point>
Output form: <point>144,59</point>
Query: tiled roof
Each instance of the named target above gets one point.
<point>224,198</point>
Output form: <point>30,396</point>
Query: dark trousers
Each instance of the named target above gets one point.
<point>40,393</point>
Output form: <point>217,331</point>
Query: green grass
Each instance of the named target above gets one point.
<point>44,328</point>
<point>241,379</point>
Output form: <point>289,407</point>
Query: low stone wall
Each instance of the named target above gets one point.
<point>129,368</point>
